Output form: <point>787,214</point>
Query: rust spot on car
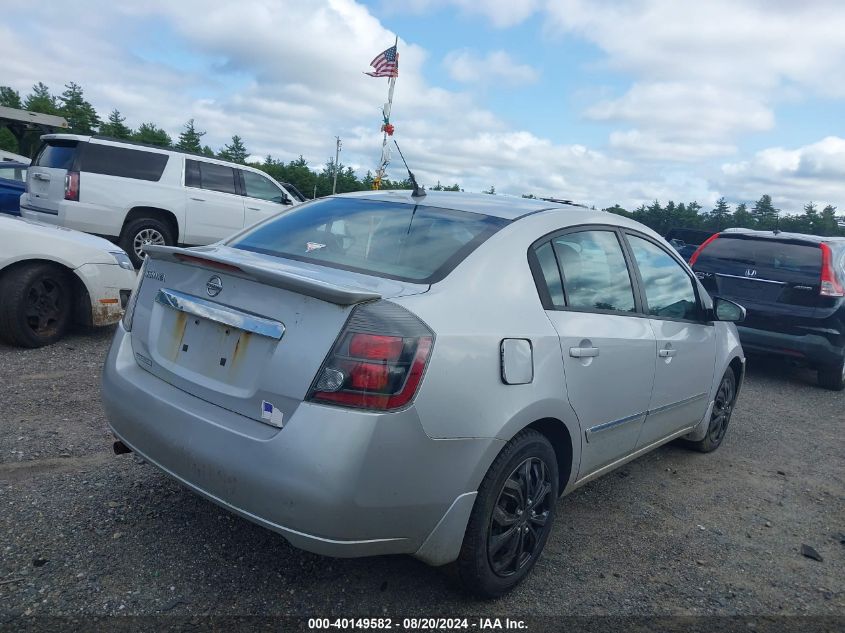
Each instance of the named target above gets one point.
<point>240,346</point>
<point>105,314</point>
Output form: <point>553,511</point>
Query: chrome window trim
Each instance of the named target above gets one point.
<point>220,313</point>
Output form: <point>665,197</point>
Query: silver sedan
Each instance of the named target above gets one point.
<point>383,373</point>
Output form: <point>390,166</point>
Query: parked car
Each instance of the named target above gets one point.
<point>687,241</point>
<point>12,185</point>
<point>137,194</point>
<point>793,287</point>
<point>52,277</point>
<point>380,373</point>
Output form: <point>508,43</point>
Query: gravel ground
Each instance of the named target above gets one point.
<point>84,532</point>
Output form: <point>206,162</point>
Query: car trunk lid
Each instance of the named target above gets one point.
<point>243,330</point>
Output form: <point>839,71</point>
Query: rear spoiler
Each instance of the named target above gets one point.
<point>279,277</point>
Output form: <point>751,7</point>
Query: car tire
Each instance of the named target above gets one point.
<point>141,232</point>
<point>37,304</point>
<point>507,528</point>
<point>832,376</point>
<point>720,415</point>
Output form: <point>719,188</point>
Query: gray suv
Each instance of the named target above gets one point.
<point>384,373</point>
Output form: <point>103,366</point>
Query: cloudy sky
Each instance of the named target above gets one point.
<point>601,101</point>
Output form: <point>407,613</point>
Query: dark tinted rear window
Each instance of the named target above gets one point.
<point>210,176</point>
<point>56,154</point>
<point>398,241</point>
<point>766,254</point>
<point>111,160</point>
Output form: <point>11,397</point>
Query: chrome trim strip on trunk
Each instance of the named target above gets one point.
<point>609,425</point>
<point>765,281</point>
<point>220,313</point>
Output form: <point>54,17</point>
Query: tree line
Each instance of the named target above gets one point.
<point>83,118</point>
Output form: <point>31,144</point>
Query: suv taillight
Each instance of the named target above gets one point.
<point>378,360</point>
<point>830,285</point>
<point>72,185</point>
<point>704,245</point>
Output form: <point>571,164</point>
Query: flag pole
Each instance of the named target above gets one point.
<point>385,148</point>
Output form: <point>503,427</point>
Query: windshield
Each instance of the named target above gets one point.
<point>399,241</point>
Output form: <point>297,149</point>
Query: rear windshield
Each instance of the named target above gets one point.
<point>112,160</point>
<point>399,241</point>
<point>772,255</point>
<point>56,153</point>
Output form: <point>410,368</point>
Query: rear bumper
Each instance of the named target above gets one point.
<point>812,348</point>
<point>332,481</point>
<point>81,216</point>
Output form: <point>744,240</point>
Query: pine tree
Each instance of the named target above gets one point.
<point>234,151</point>
<point>81,116</point>
<point>764,212</point>
<point>190,139</point>
<point>40,100</point>
<point>152,134</point>
<point>827,222</point>
<point>10,98</point>
<point>115,126</point>
<point>742,218</point>
<point>720,213</point>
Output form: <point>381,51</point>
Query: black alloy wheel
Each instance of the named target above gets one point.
<point>512,516</point>
<point>519,517</point>
<point>720,416</point>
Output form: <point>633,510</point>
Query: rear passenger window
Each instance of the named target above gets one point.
<point>669,290</point>
<point>192,174</point>
<point>595,276</point>
<point>111,160</point>
<point>551,274</point>
<point>217,177</point>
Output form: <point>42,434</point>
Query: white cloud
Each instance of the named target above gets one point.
<point>496,67</point>
<point>791,176</point>
<point>500,13</point>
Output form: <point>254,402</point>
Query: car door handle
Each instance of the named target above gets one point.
<point>41,177</point>
<point>666,353</point>
<point>583,352</point>
<point>253,208</point>
<point>199,199</point>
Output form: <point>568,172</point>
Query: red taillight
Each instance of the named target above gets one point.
<point>701,248</point>
<point>375,347</point>
<point>830,285</point>
<point>375,371</point>
<point>72,185</point>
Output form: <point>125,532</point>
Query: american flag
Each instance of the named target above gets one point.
<point>386,64</point>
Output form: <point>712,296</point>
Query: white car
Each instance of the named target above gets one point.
<point>51,277</point>
<point>137,194</point>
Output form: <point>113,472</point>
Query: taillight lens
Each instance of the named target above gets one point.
<point>378,360</point>
<point>133,298</point>
<point>72,185</point>
<point>830,285</point>
<point>704,245</point>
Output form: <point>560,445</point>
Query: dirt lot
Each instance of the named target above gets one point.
<point>85,532</point>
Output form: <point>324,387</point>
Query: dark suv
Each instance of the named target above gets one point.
<point>793,288</point>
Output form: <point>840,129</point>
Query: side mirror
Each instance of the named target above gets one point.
<point>725,310</point>
<point>286,199</point>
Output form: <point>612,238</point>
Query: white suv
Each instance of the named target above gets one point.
<point>138,194</point>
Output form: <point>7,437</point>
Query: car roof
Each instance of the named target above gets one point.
<point>781,235</point>
<point>500,206</point>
